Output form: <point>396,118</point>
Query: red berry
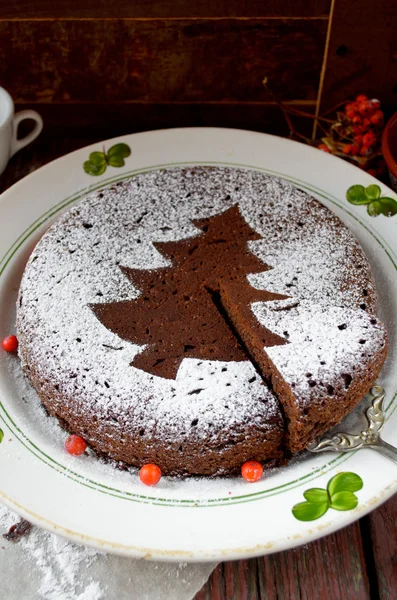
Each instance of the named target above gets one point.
<point>366,123</point>
<point>377,118</point>
<point>150,474</point>
<point>364,108</point>
<point>354,150</point>
<point>251,471</point>
<point>361,98</point>
<point>351,106</point>
<point>10,343</point>
<point>347,149</point>
<point>75,445</point>
<point>357,120</point>
<point>369,139</point>
<point>350,110</point>
<point>365,151</point>
<point>358,139</point>
<point>324,148</point>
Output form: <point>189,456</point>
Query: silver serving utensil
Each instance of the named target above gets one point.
<point>366,438</point>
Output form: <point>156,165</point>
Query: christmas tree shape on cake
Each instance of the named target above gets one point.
<point>180,312</point>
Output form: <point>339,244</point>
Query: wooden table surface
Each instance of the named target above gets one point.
<point>358,562</point>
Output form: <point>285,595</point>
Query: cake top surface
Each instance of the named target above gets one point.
<point>83,261</point>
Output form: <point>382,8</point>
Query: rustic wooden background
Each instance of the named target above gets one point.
<point>100,68</point>
<point>105,68</point>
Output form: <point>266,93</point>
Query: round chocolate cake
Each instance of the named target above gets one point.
<point>197,318</point>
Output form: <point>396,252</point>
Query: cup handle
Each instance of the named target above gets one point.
<point>25,114</point>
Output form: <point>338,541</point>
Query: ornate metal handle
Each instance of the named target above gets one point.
<point>367,438</point>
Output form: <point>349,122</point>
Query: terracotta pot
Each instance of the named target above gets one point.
<point>389,149</point>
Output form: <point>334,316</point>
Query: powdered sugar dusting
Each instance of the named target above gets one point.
<point>314,258</point>
<point>326,346</point>
<point>60,563</point>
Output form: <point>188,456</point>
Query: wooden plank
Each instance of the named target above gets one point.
<point>362,54</point>
<point>332,568</point>
<point>383,528</point>
<point>17,9</point>
<point>108,120</point>
<point>159,61</point>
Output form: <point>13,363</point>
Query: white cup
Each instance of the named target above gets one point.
<point>9,126</point>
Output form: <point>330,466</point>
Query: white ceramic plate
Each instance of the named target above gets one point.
<point>191,520</point>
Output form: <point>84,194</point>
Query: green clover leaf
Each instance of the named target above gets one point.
<point>339,495</point>
<point>1,435</point>
<point>97,158</point>
<point>316,495</point>
<point>116,161</point>
<point>374,208</point>
<point>371,195</point>
<point>389,206</point>
<point>372,192</point>
<point>120,150</point>
<point>344,482</point>
<point>344,501</point>
<point>356,195</point>
<point>98,161</point>
<point>309,511</point>
<point>91,169</point>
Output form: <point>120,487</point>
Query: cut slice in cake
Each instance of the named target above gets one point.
<point>330,361</point>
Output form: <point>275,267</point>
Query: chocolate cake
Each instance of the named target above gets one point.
<point>197,318</point>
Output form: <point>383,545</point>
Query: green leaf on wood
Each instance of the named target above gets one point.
<point>344,501</point>
<point>309,511</point>
<point>316,495</point>
<point>344,482</point>
<point>356,195</point>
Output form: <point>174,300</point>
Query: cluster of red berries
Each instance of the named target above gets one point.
<point>149,474</point>
<point>357,135</point>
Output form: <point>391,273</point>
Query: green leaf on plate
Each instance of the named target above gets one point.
<point>356,195</point>
<point>120,150</point>
<point>374,208</point>
<point>389,206</point>
<point>344,501</point>
<point>1,435</point>
<point>116,161</point>
<point>316,495</point>
<point>309,511</point>
<point>344,482</point>
<point>92,169</point>
<point>97,158</point>
<point>372,192</point>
